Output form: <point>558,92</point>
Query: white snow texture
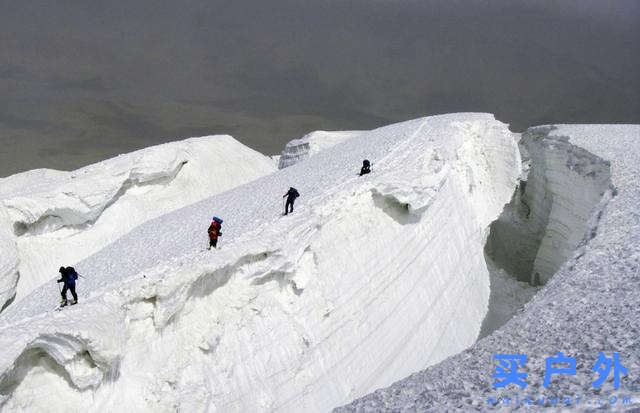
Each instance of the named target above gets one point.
<point>575,228</point>
<point>51,218</point>
<point>368,280</point>
<point>311,144</point>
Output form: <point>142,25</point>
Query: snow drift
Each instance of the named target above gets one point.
<point>50,218</point>
<point>370,279</point>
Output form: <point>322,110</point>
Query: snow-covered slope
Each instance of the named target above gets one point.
<point>579,230</point>
<point>311,144</point>
<point>369,280</point>
<point>50,218</point>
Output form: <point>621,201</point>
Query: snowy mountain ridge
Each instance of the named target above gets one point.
<point>49,218</point>
<point>368,279</point>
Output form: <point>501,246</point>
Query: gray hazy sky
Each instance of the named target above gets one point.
<point>82,80</point>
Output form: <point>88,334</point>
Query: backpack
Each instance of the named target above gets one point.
<point>218,220</point>
<point>72,272</point>
<point>295,193</point>
<point>366,163</point>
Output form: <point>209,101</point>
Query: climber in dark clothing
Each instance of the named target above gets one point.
<point>291,195</point>
<point>68,277</point>
<point>366,167</point>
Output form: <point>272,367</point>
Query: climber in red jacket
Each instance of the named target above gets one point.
<point>214,232</point>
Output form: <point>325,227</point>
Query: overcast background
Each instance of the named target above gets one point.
<point>82,80</point>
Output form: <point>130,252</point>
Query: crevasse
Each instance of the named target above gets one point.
<point>572,226</point>
<point>552,214</point>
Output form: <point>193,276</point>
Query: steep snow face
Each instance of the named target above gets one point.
<point>545,222</point>
<point>58,218</point>
<point>581,236</point>
<point>369,279</point>
<point>576,180</point>
<point>309,145</point>
<point>550,211</point>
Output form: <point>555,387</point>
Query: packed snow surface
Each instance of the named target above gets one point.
<point>50,218</point>
<point>370,279</point>
<point>583,190</point>
<point>311,144</point>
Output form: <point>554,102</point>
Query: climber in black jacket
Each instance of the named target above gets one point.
<point>291,196</point>
<point>366,167</point>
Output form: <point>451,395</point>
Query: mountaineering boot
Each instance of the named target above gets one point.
<point>63,303</point>
<point>74,302</point>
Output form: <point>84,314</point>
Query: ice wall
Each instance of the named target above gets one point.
<point>57,218</point>
<point>550,211</point>
<point>370,279</point>
<point>589,305</point>
<point>300,149</point>
<point>575,180</point>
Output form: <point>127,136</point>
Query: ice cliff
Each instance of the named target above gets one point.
<point>371,279</point>
<point>573,226</point>
<point>51,218</point>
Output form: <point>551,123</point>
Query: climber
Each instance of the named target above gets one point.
<point>214,232</point>
<point>291,195</point>
<point>68,277</point>
<point>366,167</point>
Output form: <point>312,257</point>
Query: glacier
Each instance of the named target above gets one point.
<point>371,279</point>
<point>374,292</point>
<point>574,228</point>
<point>50,218</point>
